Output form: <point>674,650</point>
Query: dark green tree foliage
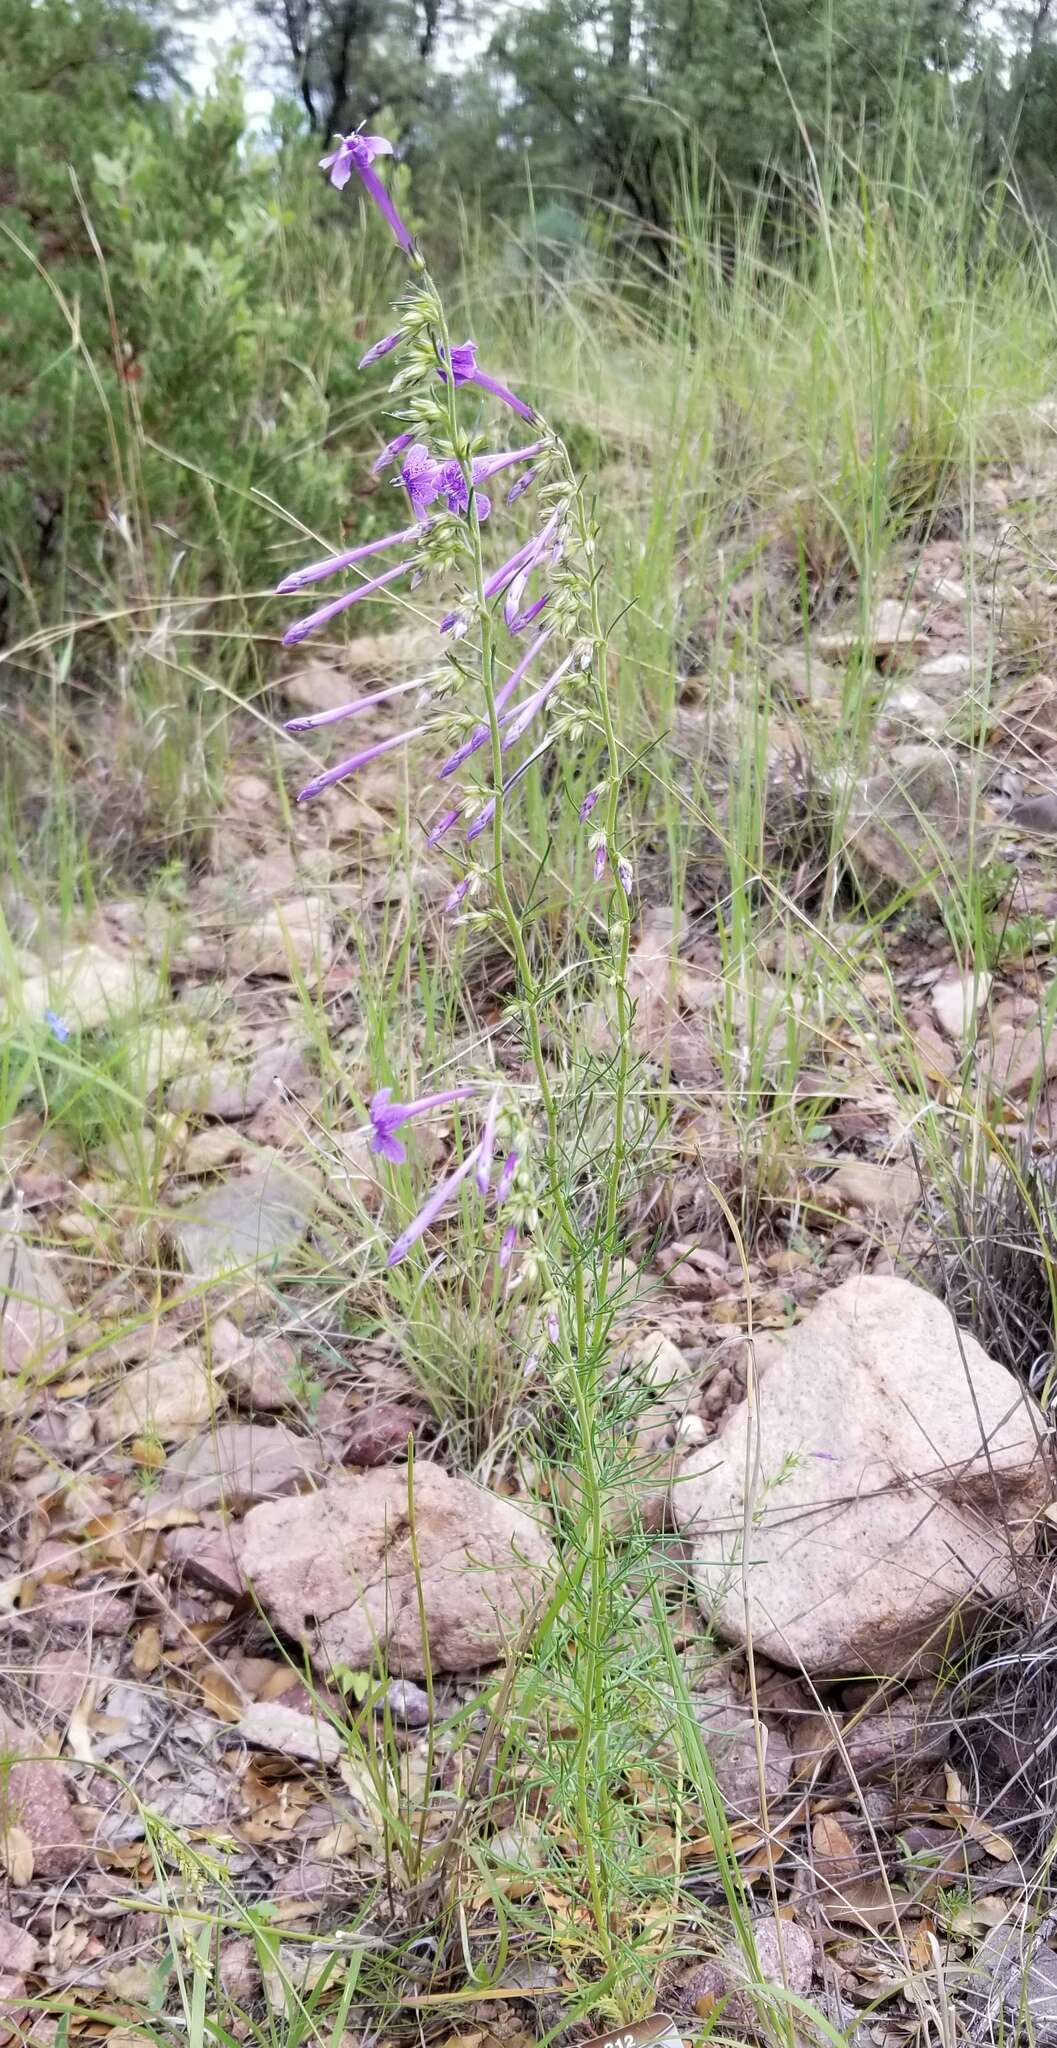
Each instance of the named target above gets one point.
<point>72,75</point>
<point>173,363</point>
<point>1026,123</point>
<point>621,93</point>
<point>350,58</point>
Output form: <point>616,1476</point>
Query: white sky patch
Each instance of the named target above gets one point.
<point>211,44</point>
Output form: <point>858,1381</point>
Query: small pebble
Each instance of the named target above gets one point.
<point>406,1702</point>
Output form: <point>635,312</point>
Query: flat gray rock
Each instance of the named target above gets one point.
<point>239,1463</point>
<point>249,1220</point>
<point>1013,1989</point>
<point>35,1312</point>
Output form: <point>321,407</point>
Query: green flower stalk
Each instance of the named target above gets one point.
<point>557,1234</point>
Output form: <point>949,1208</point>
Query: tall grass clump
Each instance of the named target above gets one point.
<point>808,395</point>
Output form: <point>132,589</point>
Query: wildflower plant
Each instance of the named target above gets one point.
<point>521,678</point>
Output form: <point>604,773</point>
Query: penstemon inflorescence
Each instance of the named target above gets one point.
<point>523,677</point>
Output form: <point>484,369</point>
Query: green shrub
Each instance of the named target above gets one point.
<point>178,343</point>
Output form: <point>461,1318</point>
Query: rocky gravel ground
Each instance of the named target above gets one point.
<point>208,1544</point>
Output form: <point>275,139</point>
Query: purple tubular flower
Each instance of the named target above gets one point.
<point>482,821</point>
<point>420,476</point>
<point>504,575</point>
<point>312,721</point>
<point>339,604</point>
<point>588,804</point>
<point>352,152</point>
<point>443,824</point>
<point>390,452</point>
<point>387,1116</point>
<point>464,370</point>
<point>601,854</point>
<point>506,1179</point>
<point>357,153</point>
<point>553,1327</point>
<point>479,736</point>
<point>504,392</point>
<point>517,621</point>
<point>431,1209</point>
<point>484,817</point>
<point>452,482</point>
<point>463,363</point>
<point>526,712</point>
<point>453,901</point>
<point>401,232</point>
<point>625,875</point>
<point>452,487</point>
<point>523,483</point>
<point>381,348</point>
<point>501,578</point>
<point>486,466</point>
<point>487,1149</point>
<point>506,1247</point>
<point>516,592</point>
<point>516,618</point>
<point>477,739</point>
<point>317,571</point>
<point>504,695</point>
<point>349,767</point>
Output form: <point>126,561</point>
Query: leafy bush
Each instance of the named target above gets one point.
<point>176,378</point>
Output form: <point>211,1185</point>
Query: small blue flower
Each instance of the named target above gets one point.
<point>56,1025</point>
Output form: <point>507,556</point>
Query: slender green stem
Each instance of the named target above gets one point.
<point>588,1577</point>
<point>620,975</point>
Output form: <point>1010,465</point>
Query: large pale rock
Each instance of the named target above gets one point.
<point>785,1955</point>
<point>19,1951</point>
<point>35,1312</point>
<point>232,1088</point>
<point>892,625</point>
<point>288,937</point>
<point>910,709</point>
<point>877,1508</point>
<point>248,1220</point>
<point>89,988</point>
<point>239,1463</point>
<point>155,1053</point>
<point>260,1369</point>
<point>1012,1991</point>
<point>270,1724</point>
<point>666,1427</point>
<point>1020,1060</point>
<point>912,822</point>
<point>729,1735</point>
<point>378,1435</point>
<point>882,1188</point>
<point>209,1556</point>
<point>335,1570</point>
<point>169,1398</point>
<point>956,1000</point>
